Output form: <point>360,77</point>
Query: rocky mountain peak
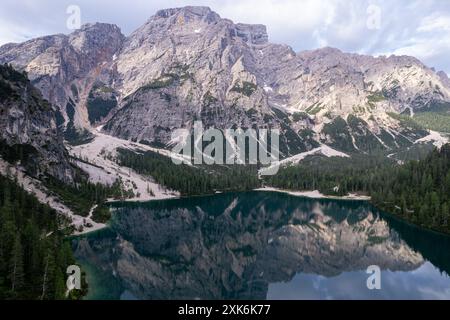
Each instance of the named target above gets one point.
<point>198,18</point>
<point>252,33</point>
<point>188,63</point>
<point>189,12</point>
<point>185,16</point>
<point>98,36</point>
<point>321,52</point>
<point>98,27</point>
<point>444,77</point>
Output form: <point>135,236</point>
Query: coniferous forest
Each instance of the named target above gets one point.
<point>418,191</point>
<point>190,180</point>
<point>33,253</point>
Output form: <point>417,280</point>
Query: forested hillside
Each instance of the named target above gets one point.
<point>33,254</point>
<point>190,180</point>
<point>418,191</point>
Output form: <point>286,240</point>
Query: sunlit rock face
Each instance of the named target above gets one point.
<point>236,245</point>
<point>188,64</point>
<point>66,67</point>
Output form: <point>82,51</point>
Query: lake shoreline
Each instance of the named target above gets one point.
<point>316,194</point>
<point>283,221</point>
<point>306,194</point>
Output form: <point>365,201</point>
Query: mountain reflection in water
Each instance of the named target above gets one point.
<point>260,245</point>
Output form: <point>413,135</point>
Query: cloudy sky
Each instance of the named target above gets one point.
<point>413,27</point>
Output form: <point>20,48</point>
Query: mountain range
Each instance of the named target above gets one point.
<point>189,64</point>
<point>87,118</point>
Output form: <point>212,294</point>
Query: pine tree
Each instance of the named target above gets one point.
<point>32,252</point>
<point>59,285</point>
<point>46,276</point>
<point>16,275</point>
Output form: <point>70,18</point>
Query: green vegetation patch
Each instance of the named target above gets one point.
<point>364,139</point>
<point>99,108</point>
<point>434,121</point>
<point>190,180</point>
<point>33,253</point>
<point>76,136</point>
<point>14,153</point>
<point>314,109</point>
<point>300,116</point>
<point>83,195</point>
<point>374,98</point>
<point>163,82</point>
<point>247,88</point>
<point>101,214</point>
<point>435,117</point>
<point>339,133</point>
<point>406,121</point>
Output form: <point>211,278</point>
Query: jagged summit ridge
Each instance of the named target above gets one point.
<point>252,33</point>
<point>187,64</point>
<point>195,12</point>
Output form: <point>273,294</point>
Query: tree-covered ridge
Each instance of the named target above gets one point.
<point>33,254</point>
<point>418,191</point>
<point>332,176</point>
<point>435,117</point>
<point>81,196</point>
<point>190,180</point>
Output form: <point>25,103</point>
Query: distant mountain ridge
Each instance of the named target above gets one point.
<point>188,64</point>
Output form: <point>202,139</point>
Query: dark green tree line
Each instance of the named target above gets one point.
<point>418,191</point>
<point>190,180</point>
<point>33,253</point>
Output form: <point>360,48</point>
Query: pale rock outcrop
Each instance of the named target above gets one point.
<point>188,64</point>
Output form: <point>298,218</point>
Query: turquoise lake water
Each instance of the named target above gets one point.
<point>261,245</point>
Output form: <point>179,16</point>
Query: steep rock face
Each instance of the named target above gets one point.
<point>444,78</point>
<point>329,86</point>
<point>188,64</point>
<point>341,82</point>
<point>185,65</point>
<point>65,68</point>
<point>28,128</point>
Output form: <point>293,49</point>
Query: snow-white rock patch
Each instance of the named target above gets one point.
<point>437,138</point>
<point>315,194</point>
<point>268,89</point>
<point>101,153</point>
<point>322,150</point>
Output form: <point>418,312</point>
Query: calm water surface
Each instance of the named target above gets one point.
<point>261,245</point>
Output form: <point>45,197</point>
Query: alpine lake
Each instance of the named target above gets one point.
<point>261,245</point>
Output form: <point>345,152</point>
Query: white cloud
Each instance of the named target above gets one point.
<point>285,14</point>
<point>425,49</point>
<point>435,23</point>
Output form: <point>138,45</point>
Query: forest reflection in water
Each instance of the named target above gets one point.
<point>260,245</point>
